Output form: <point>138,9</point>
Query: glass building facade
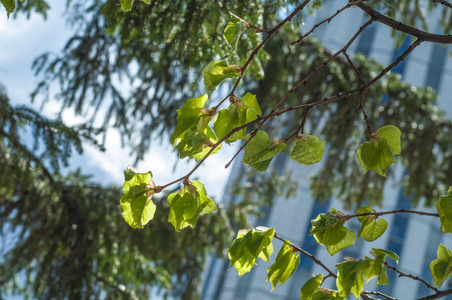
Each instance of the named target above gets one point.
<point>414,238</point>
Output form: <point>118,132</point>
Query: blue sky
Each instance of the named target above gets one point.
<point>21,40</point>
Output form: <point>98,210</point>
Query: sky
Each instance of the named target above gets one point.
<point>22,40</point>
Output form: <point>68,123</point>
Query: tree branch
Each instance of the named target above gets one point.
<point>398,211</point>
<point>398,26</point>
<point>401,274</point>
<point>443,2</point>
<point>437,295</point>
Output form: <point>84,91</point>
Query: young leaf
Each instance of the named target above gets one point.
<point>374,229</point>
<point>238,113</point>
<point>375,155</point>
<point>252,107</point>
<point>441,268</point>
<point>328,229</point>
<point>444,207</point>
<point>392,136</point>
<point>138,208</point>
<point>260,151</point>
<point>246,248</point>
<point>350,277</point>
<point>217,71</point>
<point>186,205</point>
<point>286,263</point>
<point>10,6</point>
<point>312,285</point>
<point>234,30</point>
<point>376,252</point>
<point>197,144</point>
<point>371,227</point>
<point>307,149</point>
<point>348,241</point>
<point>189,116</point>
<point>376,266</point>
<point>324,294</point>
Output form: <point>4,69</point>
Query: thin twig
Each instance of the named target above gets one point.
<point>401,274</point>
<point>382,213</point>
<point>380,294</point>
<point>259,47</point>
<point>300,128</point>
<point>398,26</point>
<point>361,107</point>
<point>437,295</point>
<point>311,256</point>
<point>443,2</point>
<point>341,95</point>
<point>302,82</point>
<point>328,20</point>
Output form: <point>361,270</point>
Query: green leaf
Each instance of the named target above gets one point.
<point>374,229</point>
<point>350,277</point>
<point>228,119</point>
<point>376,252</point>
<point>246,248</point>
<point>10,6</point>
<point>189,116</point>
<point>252,107</point>
<point>324,294</point>
<point>307,149</point>
<point>328,229</point>
<point>441,268</point>
<point>126,5</point>
<point>312,285</point>
<point>392,135</point>
<point>375,155</point>
<point>137,206</point>
<point>347,241</point>
<point>186,205</point>
<point>444,207</point>
<point>286,263</point>
<point>197,144</point>
<point>260,151</point>
<point>234,30</point>
<point>217,71</point>
<point>242,111</point>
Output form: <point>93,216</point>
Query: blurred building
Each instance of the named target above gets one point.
<point>414,238</point>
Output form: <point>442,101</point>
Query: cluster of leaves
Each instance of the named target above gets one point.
<point>329,230</point>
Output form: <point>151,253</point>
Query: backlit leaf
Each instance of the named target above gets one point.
<point>186,205</point>
<point>247,247</point>
<point>444,207</point>
<point>10,6</point>
<point>237,114</point>
<point>286,263</point>
<point>441,268</point>
<point>217,71</point>
<point>310,286</point>
<point>374,229</point>
<point>348,241</point>
<point>260,151</point>
<point>350,277</point>
<point>328,229</point>
<point>197,144</point>
<point>234,30</point>
<point>392,135</point>
<point>375,155</point>
<point>138,208</point>
<point>307,149</point>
